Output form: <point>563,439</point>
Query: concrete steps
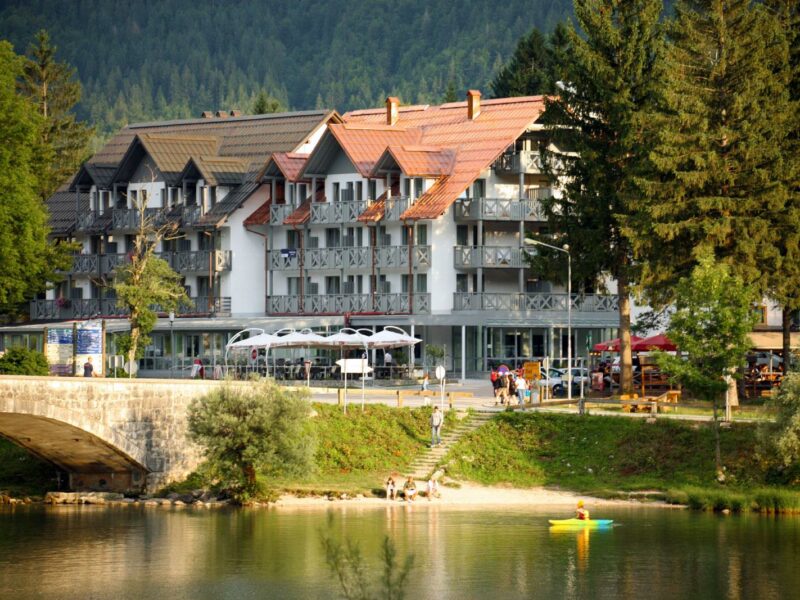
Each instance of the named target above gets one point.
<point>427,462</point>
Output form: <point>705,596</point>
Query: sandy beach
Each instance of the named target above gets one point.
<point>468,495</point>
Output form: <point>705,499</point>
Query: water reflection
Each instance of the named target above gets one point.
<point>129,553</point>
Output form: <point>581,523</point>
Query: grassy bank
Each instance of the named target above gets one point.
<point>609,456</point>
<point>22,474</point>
<point>355,452</point>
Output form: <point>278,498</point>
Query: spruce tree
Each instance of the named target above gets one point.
<point>609,75</point>
<point>533,68</point>
<point>713,182</point>
<point>53,88</point>
<point>264,104</point>
<point>27,260</point>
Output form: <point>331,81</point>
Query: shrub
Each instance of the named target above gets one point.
<point>22,361</point>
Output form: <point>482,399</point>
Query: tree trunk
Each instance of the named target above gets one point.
<point>717,451</point>
<point>249,474</point>
<point>787,338</point>
<point>626,358</point>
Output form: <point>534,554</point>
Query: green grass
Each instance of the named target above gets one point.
<point>22,474</point>
<point>611,456</point>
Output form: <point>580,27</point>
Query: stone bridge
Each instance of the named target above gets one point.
<point>112,434</point>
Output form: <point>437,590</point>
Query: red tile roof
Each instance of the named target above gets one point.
<point>289,164</point>
<point>375,210</point>
<point>478,142</point>
<point>419,161</point>
<point>303,212</point>
<point>363,143</point>
<point>260,215</point>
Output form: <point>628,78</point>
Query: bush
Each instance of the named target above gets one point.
<point>22,361</point>
<point>250,429</point>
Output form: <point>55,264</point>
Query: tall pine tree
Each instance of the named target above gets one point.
<point>609,75</point>
<point>713,181</point>
<point>55,91</point>
<point>534,67</point>
<point>27,259</point>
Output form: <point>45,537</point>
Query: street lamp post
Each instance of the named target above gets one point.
<point>565,250</point>
<point>172,343</point>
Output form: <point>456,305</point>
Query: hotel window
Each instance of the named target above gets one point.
<point>332,285</point>
<point>406,187</point>
<point>372,189</point>
<point>359,191</point>
<point>335,193</point>
<point>419,185</point>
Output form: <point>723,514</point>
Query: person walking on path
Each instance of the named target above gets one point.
<point>425,382</point>
<point>436,426</point>
<point>522,389</point>
<point>88,368</point>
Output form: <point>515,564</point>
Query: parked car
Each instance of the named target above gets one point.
<point>554,380</point>
<point>579,374</point>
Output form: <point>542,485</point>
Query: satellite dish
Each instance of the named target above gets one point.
<point>130,367</point>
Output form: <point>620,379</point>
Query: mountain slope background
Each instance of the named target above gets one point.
<point>164,59</point>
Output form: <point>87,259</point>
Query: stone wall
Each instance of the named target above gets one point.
<point>107,433</point>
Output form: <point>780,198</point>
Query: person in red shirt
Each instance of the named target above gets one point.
<point>581,513</point>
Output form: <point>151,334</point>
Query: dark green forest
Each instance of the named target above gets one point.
<point>164,59</point>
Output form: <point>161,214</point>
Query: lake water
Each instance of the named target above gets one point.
<point>130,553</point>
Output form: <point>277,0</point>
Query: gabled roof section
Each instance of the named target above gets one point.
<point>170,153</point>
<point>260,216</point>
<point>362,143</point>
<point>375,210</point>
<point>285,164</point>
<point>478,142</point>
<point>252,138</point>
<point>235,198</point>
<point>215,170</point>
<point>416,161</point>
<point>64,206</point>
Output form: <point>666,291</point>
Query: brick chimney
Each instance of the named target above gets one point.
<point>222,114</point>
<point>236,113</point>
<point>473,104</point>
<point>206,114</point>
<point>392,110</point>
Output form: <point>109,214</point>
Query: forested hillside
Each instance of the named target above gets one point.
<point>174,58</point>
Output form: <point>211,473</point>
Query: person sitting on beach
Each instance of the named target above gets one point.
<point>581,513</point>
<point>410,490</point>
<point>433,489</point>
<point>391,488</point>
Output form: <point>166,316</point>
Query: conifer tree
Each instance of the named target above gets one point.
<point>713,182</point>
<point>533,68</point>
<point>609,75</point>
<point>27,259</point>
<point>450,94</point>
<point>265,104</point>
<point>54,89</point>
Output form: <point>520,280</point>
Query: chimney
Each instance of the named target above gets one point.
<point>236,113</point>
<point>222,114</point>
<point>392,110</point>
<point>206,114</point>
<point>473,104</point>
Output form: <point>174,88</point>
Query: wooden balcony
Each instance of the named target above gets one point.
<point>489,257</point>
<point>502,209</point>
<point>394,207</point>
<point>337,212</point>
<point>199,261</point>
<point>394,257</point>
<point>125,219</point>
<point>526,161</point>
<point>88,308</point>
<point>279,212</point>
<point>349,303</point>
<point>349,257</point>
<point>510,302</point>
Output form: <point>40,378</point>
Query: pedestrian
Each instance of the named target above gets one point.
<point>495,379</point>
<point>522,389</point>
<point>391,488</point>
<point>425,382</point>
<point>433,488</point>
<point>436,426</point>
<point>410,490</point>
<point>88,368</point>
<point>502,390</point>
<point>198,371</point>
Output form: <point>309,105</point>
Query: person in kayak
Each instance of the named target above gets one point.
<point>581,513</point>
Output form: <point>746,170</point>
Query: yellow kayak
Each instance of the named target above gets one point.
<point>581,522</point>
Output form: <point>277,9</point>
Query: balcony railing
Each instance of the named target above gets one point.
<point>85,264</point>
<point>279,212</point>
<point>126,219</point>
<point>501,209</point>
<point>525,161</point>
<point>337,212</point>
<point>473,257</point>
<point>394,207</point>
<point>85,221</point>
<point>506,302</point>
<point>190,215</point>
<point>352,303</point>
<point>49,310</point>
<point>199,261</point>
<point>349,257</point>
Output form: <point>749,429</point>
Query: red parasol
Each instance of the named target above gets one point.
<point>613,345</point>
<point>659,341</point>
